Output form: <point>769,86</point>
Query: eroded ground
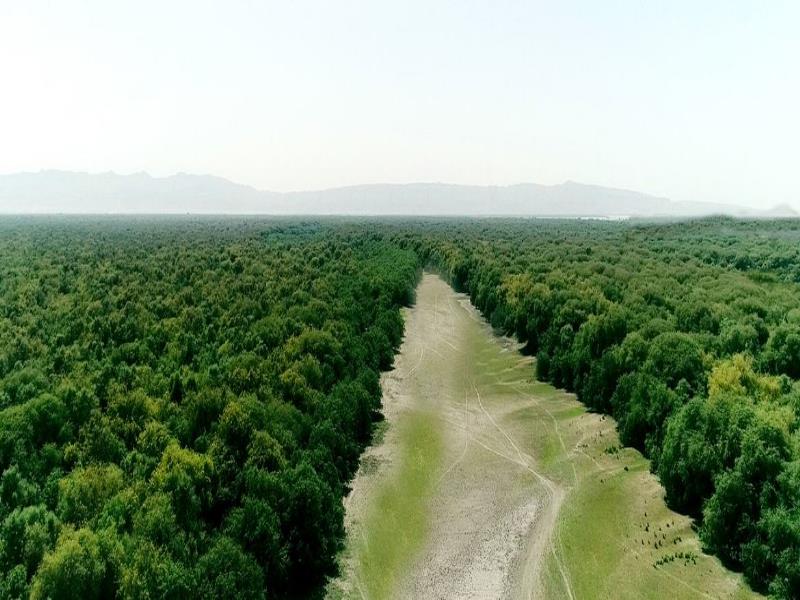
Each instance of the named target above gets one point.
<point>484,483</point>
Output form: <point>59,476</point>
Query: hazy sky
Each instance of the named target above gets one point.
<point>692,100</point>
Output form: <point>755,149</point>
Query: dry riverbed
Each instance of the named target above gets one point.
<point>484,483</point>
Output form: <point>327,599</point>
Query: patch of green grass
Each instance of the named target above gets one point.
<point>396,524</point>
<point>617,536</point>
<point>570,413</point>
<point>591,525</point>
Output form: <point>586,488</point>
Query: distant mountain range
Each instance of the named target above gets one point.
<point>71,192</point>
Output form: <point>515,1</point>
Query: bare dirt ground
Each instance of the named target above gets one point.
<point>488,484</point>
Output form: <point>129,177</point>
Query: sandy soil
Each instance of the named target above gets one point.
<point>493,513</point>
<point>503,485</point>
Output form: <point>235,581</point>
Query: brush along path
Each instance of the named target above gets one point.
<point>487,484</point>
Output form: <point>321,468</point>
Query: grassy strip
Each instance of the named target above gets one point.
<point>396,524</point>
<point>620,539</point>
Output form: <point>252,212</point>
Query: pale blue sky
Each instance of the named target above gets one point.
<point>692,100</point>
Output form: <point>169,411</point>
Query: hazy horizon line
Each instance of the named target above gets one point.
<point>350,185</point>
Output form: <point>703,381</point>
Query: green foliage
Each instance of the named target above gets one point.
<point>148,571</point>
<point>84,492</point>
<point>226,571</point>
<point>26,534</point>
<point>182,402</point>
<point>675,357</point>
<point>81,566</point>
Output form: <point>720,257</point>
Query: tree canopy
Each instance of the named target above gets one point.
<point>183,402</point>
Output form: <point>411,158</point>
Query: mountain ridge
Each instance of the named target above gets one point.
<point>57,191</point>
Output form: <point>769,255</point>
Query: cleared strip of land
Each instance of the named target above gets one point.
<point>485,483</point>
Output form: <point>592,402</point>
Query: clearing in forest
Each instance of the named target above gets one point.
<point>484,483</point>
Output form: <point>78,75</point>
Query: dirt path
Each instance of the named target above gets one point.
<point>482,483</point>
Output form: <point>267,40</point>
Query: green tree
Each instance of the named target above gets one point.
<point>80,567</point>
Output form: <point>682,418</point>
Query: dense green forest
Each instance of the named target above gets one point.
<point>184,401</point>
